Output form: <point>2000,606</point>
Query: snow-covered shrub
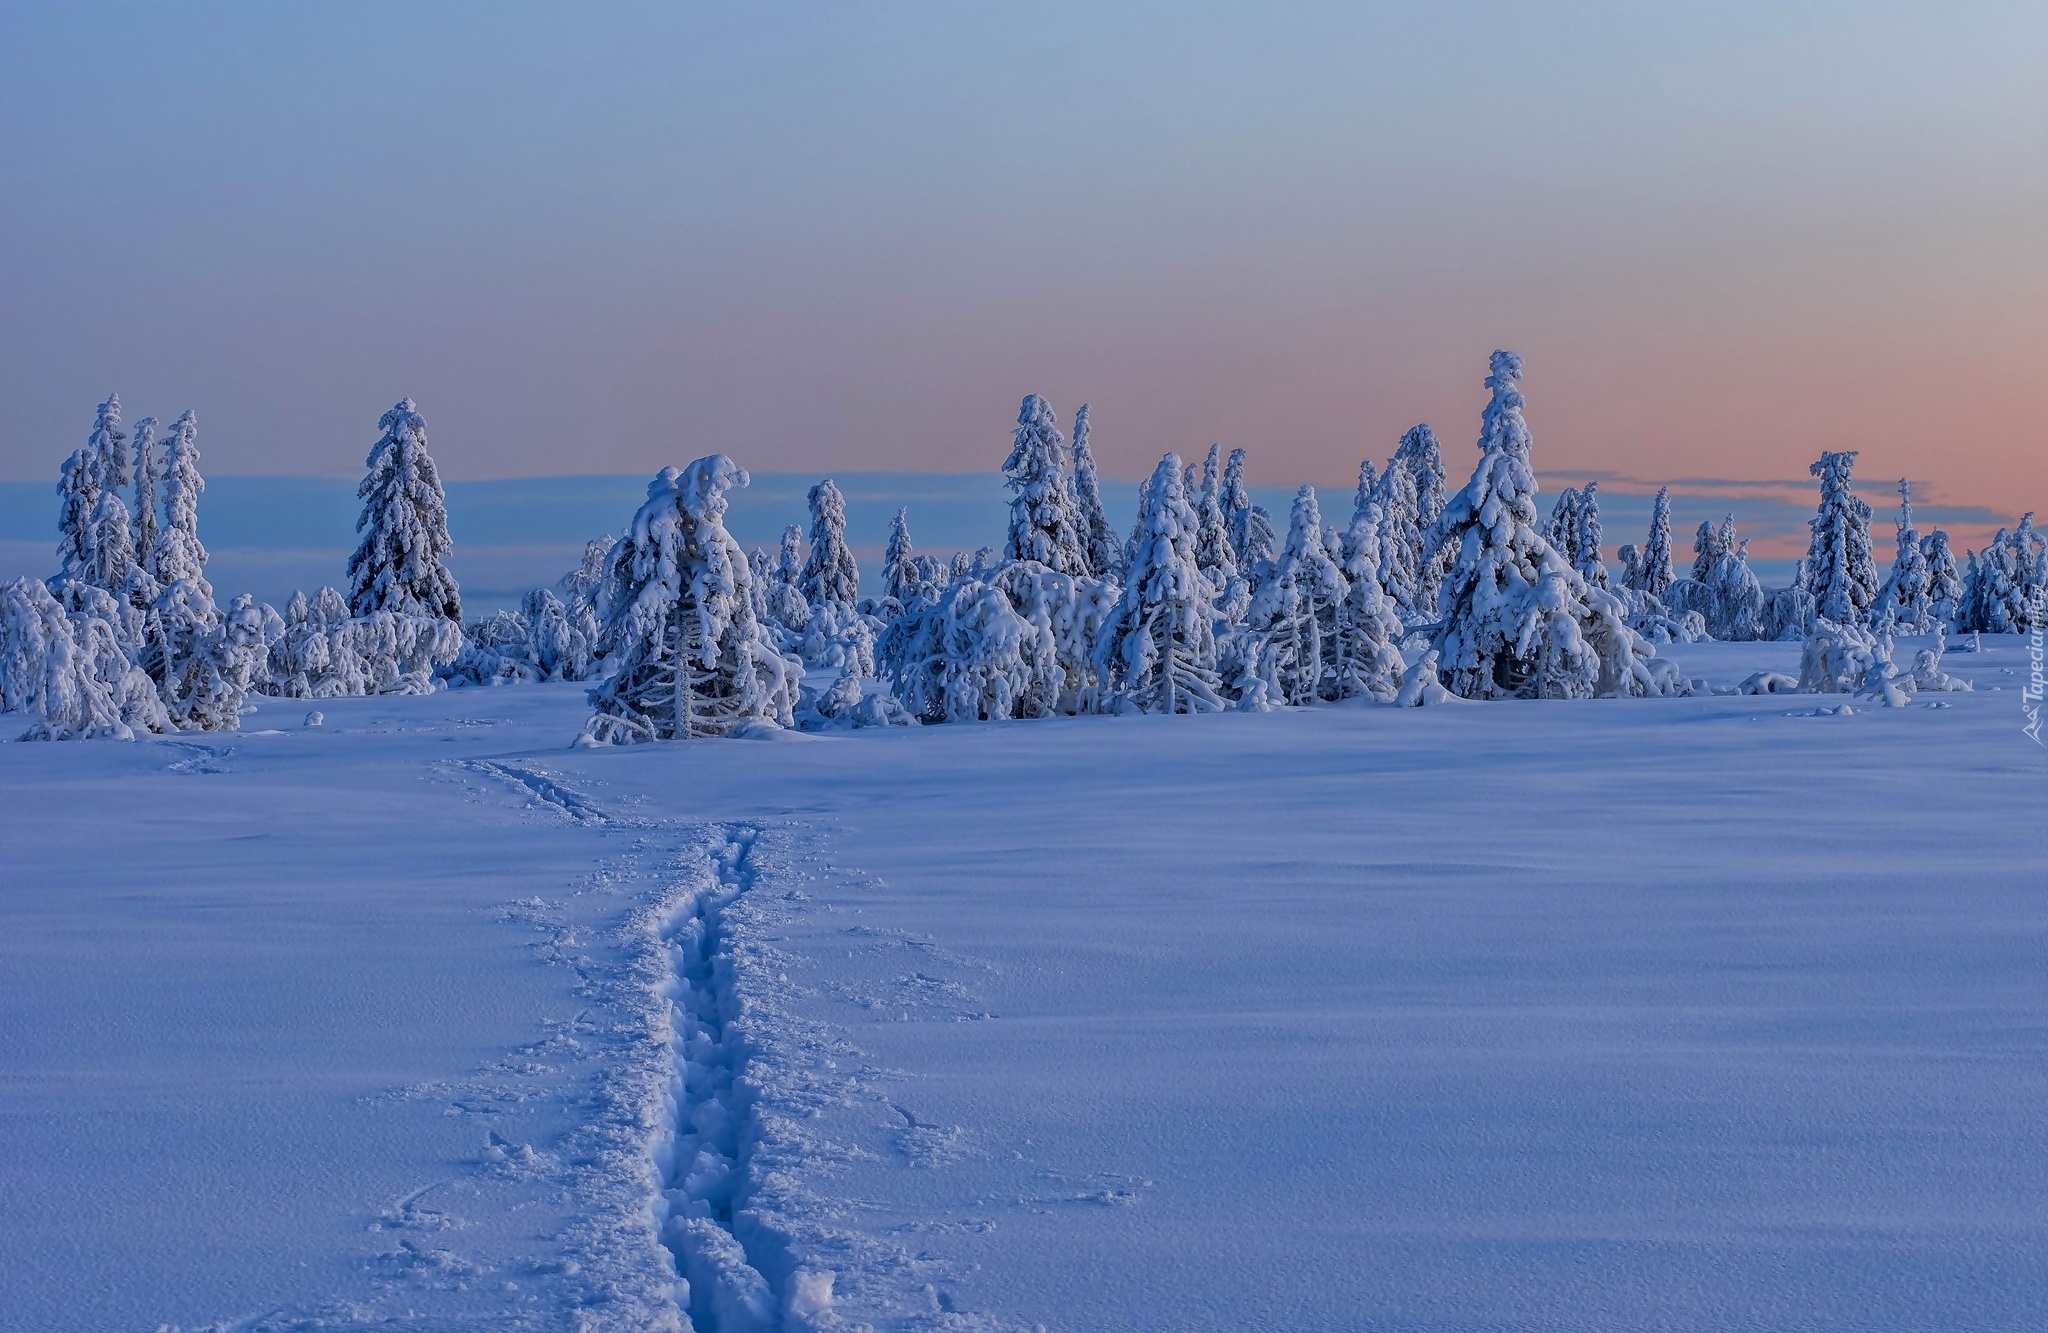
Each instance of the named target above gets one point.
<point>1927,672</point>
<point>400,566</point>
<point>1158,651</point>
<point>1838,569</point>
<point>1045,523</point>
<point>69,668</point>
<point>1768,682</point>
<point>1517,620</point>
<point>1071,611</point>
<point>403,654</point>
<point>688,657</point>
<point>840,637</point>
<point>1098,539</point>
<point>210,673</point>
<point>1421,686</point>
<point>538,642</point>
<point>849,702</point>
<point>1837,659</point>
<point>971,657</point>
<point>1789,614</point>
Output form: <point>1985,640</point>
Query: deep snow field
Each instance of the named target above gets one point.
<point>1711,1013</point>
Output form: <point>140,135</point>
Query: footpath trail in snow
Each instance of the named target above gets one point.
<point>1699,1014</point>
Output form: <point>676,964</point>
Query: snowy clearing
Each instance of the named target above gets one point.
<point>1704,1013</point>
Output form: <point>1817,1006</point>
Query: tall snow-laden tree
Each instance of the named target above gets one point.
<point>1368,488</point>
<point>145,490</point>
<point>1838,569</point>
<point>1944,581</point>
<point>401,564</point>
<point>899,568</point>
<point>1364,659</point>
<point>1105,552</point>
<point>1158,650</point>
<point>1252,539</point>
<point>178,556</point>
<point>1400,536</point>
<point>829,572</point>
<point>787,607</point>
<point>1213,550</point>
<point>1421,457</point>
<point>2006,583</point>
<point>1561,529</point>
<point>1653,571</point>
<point>1905,601</point>
<point>1284,652</point>
<point>1587,537</point>
<point>1045,523</point>
<point>109,445</point>
<point>78,492</point>
<point>689,658</point>
<point>1722,589</point>
<point>1517,620</point>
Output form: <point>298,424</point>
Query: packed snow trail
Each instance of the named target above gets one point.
<point>703,1165</point>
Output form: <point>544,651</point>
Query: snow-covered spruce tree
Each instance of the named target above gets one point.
<point>1367,490</point>
<point>1045,523</point>
<point>1252,539</point>
<point>1587,537</point>
<point>786,605</point>
<point>78,492</point>
<point>1365,661</point>
<point>1838,569</point>
<point>1400,539</point>
<point>401,564</point>
<point>2000,586</point>
<point>1944,581</point>
<point>1214,554</point>
<point>108,444</point>
<point>1421,456</point>
<point>688,657</point>
<point>1284,651</point>
<point>1904,603</point>
<point>1517,620</point>
<point>579,586</point>
<point>1158,651</point>
<point>145,490</point>
<point>1561,529</point>
<point>178,556</point>
<point>538,642</point>
<point>1105,552</point>
<point>899,567</point>
<point>1653,572</point>
<point>829,572</point>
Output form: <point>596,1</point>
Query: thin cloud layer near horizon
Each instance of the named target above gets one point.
<point>818,239</point>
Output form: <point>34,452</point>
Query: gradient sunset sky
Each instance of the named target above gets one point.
<point>596,239</point>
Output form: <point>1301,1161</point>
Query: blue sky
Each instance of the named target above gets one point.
<point>848,238</point>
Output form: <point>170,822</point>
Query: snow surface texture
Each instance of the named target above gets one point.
<point>419,1018</point>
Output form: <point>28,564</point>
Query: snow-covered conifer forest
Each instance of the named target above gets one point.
<point>1429,906</point>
